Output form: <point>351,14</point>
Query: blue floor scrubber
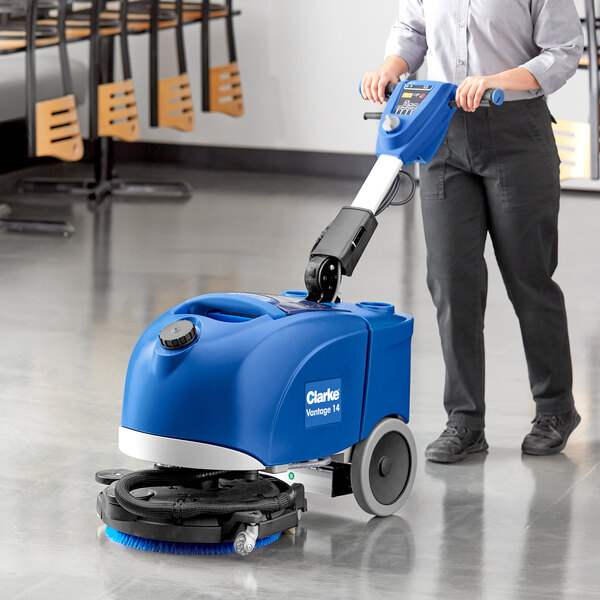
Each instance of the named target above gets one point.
<point>244,401</point>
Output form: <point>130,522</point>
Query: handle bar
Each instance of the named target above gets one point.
<point>491,96</point>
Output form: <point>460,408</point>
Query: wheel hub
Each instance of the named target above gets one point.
<point>390,468</point>
<point>385,466</point>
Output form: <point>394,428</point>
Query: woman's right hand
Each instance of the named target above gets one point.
<point>374,83</point>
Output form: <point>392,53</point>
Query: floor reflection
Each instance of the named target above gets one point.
<point>545,553</point>
<point>329,553</point>
<point>101,259</point>
<point>462,547</point>
<point>492,527</point>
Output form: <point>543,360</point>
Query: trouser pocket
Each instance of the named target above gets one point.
<point>433,174</point>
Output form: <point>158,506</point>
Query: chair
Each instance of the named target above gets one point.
<point>171,98</point>
<point>192,11</point>
<point>113,106</point>
<point>573,142</point>
<point>52,125</point>
<point>221,86</point>
<point>109,114</point>
<point>78,23</point>
<point>140,15</point>
<point>113,113</point>
<point>13,27</point>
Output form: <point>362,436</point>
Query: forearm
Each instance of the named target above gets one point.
<point>395,65</point>
<point>515,80</point>
<point>471,90</point>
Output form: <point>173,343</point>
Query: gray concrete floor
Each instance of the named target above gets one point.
<point>500,525</point>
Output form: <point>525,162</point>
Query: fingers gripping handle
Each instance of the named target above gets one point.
<point>491,97</point>
<point>388,90</point>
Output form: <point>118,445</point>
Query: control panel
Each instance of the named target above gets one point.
<point>415,120</point>
<point>412,96</point>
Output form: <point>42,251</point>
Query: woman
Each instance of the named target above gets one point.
<point>496,172</point>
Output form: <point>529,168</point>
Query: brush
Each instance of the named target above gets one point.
<point>139,543</point>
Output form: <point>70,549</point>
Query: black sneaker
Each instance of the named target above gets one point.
<point>454,444</point>
<point>550,433</point>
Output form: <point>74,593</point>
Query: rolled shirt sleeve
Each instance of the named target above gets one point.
<point>558,34</point>
<point>407,38</point>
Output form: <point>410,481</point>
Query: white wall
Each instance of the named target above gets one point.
<point>561,103</point>
<point>300,64</point>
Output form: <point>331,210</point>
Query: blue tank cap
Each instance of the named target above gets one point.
<point>378,306</point>
<point>294,294</point>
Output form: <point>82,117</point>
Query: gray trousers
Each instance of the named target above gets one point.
<point>496,172</point>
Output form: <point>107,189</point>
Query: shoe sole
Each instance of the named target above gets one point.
<point>454,458</point>
<point>555,449</point>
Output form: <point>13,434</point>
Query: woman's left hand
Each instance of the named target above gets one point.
<point>470,91</point>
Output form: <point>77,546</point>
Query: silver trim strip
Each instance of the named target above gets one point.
<point>184,453</point>
<point>315,481</point>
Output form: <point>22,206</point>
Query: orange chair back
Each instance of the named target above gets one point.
<point>226,90</point>
<point>117,111</point>
<point>57,129</point>
<point>573,142</point>
<point>175,108</point>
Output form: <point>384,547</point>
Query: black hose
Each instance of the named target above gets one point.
<point>393,191</point>
<point>181,510</point>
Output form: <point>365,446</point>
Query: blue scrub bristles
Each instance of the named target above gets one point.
<point>178,547</point>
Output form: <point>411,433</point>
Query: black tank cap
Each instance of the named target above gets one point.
<point>178,335</point>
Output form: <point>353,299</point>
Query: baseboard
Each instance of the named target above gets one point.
<point>13,156</point>
<point>247,159</point>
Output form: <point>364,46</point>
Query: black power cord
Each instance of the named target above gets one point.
<point>393,191</point>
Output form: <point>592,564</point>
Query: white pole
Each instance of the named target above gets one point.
<point>378,183</point>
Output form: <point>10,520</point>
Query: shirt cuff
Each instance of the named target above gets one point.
<point>540,67</point>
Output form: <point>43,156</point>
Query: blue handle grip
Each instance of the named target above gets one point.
<point>497,97</point>
<point>492,97</point>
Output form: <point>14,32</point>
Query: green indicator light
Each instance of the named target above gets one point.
<point>291,475</point>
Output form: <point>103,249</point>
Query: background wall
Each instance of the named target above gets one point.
<point>300,64</point>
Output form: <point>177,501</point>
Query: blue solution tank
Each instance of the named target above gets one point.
<point>279,378</point>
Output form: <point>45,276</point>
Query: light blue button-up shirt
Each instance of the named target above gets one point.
<point>485,37</point>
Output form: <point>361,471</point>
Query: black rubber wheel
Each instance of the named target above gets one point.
<point>383,468</point>
<point>322,278</point>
